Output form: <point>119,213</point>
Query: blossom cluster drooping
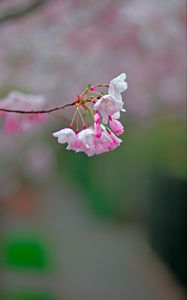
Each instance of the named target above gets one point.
<point>97,111</point>
<point>103,109</point>
<point>24,102</point>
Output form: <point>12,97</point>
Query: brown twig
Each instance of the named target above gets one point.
<point>101,85</point>
<point>42,111</point>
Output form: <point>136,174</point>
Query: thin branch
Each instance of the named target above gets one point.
<point>47,111</point>
<point>21,10</point>
<point>101,85</point>
<point>43,111</point>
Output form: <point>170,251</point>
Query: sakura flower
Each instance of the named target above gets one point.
<point>108,105</point>
<point>80,142</point>
<point>111,104</point>
<point>86,137</point>
<point>86,140</point>
<point>20,101</point>
<point>107,142</point>
<point>98,138</point>
<point>115,141</point>
<point>65,135</point>
<point>117,114</point>
<point>102,145</point>
<point>97,127</point>
<point>117,86</point>
<point>116,126</point>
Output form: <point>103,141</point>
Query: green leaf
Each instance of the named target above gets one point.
<point>87,88</point>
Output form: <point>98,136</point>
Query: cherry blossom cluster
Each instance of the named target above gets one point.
<point>94,128</point>
<point>102,135</point>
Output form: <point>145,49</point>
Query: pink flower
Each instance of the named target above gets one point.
<point>98,138</point>
<point>117,86</point>
<point>116,126</point>
<point>102,145</point>
<point>97,126</point>
<point>65,135</point>
<point>19,101</point>
<point>87,142</point>
<point>112,103</point>
<point>86,136</point>
<point>81,142</point>
<point>108,105</point>
<point>115,141</point>
<point>97,118</point>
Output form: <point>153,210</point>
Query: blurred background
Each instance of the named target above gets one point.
<point>114,226</point>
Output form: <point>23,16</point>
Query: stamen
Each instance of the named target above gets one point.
<point>100,94</point>
<point>73,119</point>
<point>77,129</point>
<point>83,122</point>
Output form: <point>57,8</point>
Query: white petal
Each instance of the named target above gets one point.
<point>98,103</point>
<point>64,135</point>
<point>116,115</point>
<point>118,85</point>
